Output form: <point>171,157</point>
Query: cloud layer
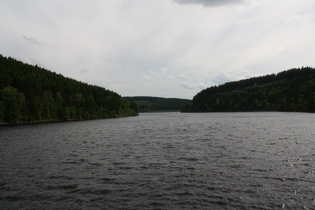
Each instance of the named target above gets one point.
<point>210,3</point>
<point>162,48</point>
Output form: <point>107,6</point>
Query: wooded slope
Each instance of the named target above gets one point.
<point>151,104</point>
<point>30,93</point>
<point>291,90</point>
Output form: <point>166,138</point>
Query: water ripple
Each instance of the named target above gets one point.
<point>161,161</point>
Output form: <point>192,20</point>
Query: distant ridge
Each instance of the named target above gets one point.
<point>33,94</point>
<point>154,104</point>
<point>292,90</point>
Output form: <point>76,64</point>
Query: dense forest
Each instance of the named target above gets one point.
<point>153,104</point>
<point>32,94</point>
<point>291,90</point>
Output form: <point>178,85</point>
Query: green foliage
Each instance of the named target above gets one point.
<point>149,104</point>
<point>29,93</point>
<point>134,107</point>
<point>12,102</point>
<point>291,90</point>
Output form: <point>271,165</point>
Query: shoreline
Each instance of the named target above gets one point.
<point>3,123</point>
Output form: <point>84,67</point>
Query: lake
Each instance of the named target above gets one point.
<point>256,160</point>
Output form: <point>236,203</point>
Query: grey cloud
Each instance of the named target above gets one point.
<point>165,89</point>
<point>31,40</point>
<point>191,86</point>
<point>82,71</point>
<point>186,86</point>
<point>210,3</point>
<point>221,79</point>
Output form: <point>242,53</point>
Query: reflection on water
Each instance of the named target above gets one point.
<point>161,161</point>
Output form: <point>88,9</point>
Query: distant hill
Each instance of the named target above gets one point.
<point>152,104</point>
<point>292,90</point>
<point>33,94</point>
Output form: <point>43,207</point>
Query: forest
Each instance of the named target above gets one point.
<point>292,91</point>
<point>32,94</point>
<point>153,104</point>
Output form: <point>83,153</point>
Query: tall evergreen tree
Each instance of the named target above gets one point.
<point>29,93</point>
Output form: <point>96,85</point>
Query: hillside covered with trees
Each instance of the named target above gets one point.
<point>32,94</point>
<point>153,104</point>
<point>291,90</point>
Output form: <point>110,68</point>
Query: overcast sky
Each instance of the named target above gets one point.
<point>166,48</point>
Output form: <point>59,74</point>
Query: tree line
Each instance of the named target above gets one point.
<point>291,90</point>
<point>29,93</point>
<point>152,104</point>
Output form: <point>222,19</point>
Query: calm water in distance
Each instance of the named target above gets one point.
<point>253,160</point>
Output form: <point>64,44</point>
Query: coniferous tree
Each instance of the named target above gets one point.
<point>29,93</point>
<point>291,90</point>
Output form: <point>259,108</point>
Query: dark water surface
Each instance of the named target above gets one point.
<point>161,161</point>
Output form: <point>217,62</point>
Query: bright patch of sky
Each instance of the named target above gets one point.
<point>166,48</point>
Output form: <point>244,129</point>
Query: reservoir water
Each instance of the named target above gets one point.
<point>253,160</point>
